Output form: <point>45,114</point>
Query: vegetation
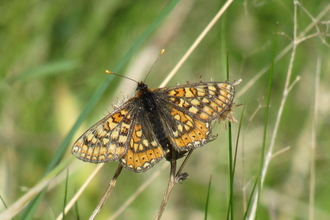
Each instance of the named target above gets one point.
<point>53,87</point>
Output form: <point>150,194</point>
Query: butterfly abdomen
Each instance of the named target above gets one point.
<point>151,112</point>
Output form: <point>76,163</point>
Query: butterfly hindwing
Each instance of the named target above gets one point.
<point>144,149</point>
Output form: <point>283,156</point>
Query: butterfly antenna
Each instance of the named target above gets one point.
<point>109,72</point>
<point>160,54</point>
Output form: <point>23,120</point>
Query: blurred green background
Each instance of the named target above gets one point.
<point>52,60</point>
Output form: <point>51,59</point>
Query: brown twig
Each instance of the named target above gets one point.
<point>107,192</point>
<point>174,179</point>
<point>178,174</point>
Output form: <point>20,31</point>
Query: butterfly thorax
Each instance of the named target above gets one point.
<point>146,97</point>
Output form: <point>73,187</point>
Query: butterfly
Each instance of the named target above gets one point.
<point>147,127</point>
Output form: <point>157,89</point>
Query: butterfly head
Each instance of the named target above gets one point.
<point>142,88</point>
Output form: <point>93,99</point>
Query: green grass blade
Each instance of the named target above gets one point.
<point>251,197</point>
<point>65,193</point>
<point>76,207</point>
<point>238,135</point>
<point>231,174</point>
<point>233,167</point>
<point>270,80</point>
<point>208,198</point>
<point>3,202</point>
<point>230,159</point>
<point>32,207</point>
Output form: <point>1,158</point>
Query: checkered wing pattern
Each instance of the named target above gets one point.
<point>122,135</point>
<point>189,110</point>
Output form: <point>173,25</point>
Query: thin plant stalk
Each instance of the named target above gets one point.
<point>296,40</point>
<point>138,192</point>
<point>251,197</point>
<point>208,198</point>
<point>237,139</point>
<point>265,160</point>
<point>108,191</point>
<point>301,37</point>
<point>66,191</point>
<point>3,202</point>
<point>170,186</point>
<point>174,179</point>
<point>230,160</point>
<point>76,208</point>
<point>313,146</point>
<point>197,41</point>
<point>262,158</point>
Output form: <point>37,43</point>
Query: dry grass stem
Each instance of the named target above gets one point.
<point>316,21</point>
<point>260,106</point>
<point>301,37</point>
<point>285,35</point>
<point>313,146</point>
<point>244,185</point>
<point>107,192</point>
<point>281,151</point>
<point>174,179</point>
<point>170,186</point>
<point>197,41</point>
<point>286,90</point>
<point>303,34</point>
<point>138,191</point>
<point>294,83</point>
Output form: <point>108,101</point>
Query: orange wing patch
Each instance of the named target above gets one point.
<point>142,161</point>
<point>142,153</point>
<point>190,133</point>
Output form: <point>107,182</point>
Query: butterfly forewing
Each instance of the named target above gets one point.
<point>204,101</point>
<point>107,140</point>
